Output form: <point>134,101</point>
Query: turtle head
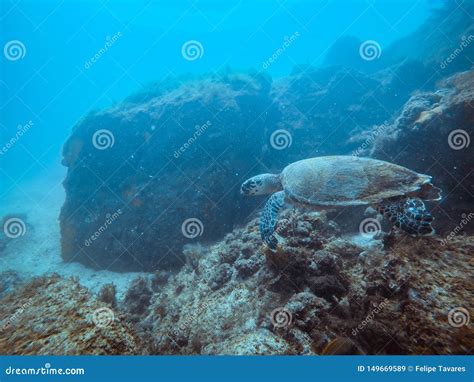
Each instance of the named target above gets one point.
<point>262,184</point>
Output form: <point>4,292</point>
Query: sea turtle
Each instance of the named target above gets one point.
<point>331,181</point>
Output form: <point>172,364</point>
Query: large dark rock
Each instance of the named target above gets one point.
<point>181,155</point>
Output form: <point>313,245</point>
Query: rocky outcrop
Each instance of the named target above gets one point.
<point>441,46</point>
<point>9,280</point>
<point>54,316</point>
<point>432,135</point>
<point>146,178</point>
<point>328,295</point>
<point>163,168</point>
<point>168,169</point>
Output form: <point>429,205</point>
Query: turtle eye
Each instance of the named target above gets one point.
<point>248,187</point>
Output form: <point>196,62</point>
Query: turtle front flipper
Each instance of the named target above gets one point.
<point>410,215</point>
<point>269,217</point>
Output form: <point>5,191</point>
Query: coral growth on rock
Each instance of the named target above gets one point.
<point>432,135</point>
<point>318,293</point>
<point>9,281</point>
<point>130,206</point>
<point>54,316</point>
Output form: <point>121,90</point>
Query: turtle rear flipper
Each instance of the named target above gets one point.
<point>269,217</point>
<point>410,215</point>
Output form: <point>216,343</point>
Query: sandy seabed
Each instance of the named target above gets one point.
<point>38,201</point>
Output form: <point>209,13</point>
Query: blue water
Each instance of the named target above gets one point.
<point>52,87</point>
<point>140,142</point>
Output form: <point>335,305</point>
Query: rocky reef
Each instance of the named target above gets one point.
<point>441,46</point>
<point>162,169</point>
<point>432,135</point>
<point>160,181</point>
<point>55,316</point>
<point>175,157</point>
<point>318,293</point>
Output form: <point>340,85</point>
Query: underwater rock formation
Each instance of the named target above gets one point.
<point>432,135</point>
<point>128,206</point>
<point>9,281</point>
<point>54,316</point>
<point>146,178</point>
<point>318,293</point>
<point>163,168</point>
<point>441,46</point>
